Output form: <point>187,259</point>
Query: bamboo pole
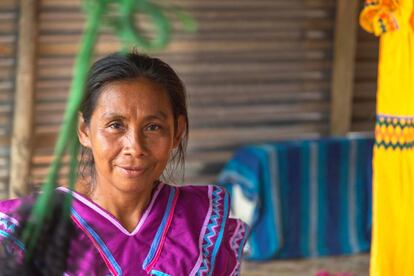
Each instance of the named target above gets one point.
<point>22,136</point>
<point>343,66</point>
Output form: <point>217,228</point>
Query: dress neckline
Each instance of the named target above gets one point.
<point>104,213</point>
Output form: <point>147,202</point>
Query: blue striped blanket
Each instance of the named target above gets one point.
<point>303,198</point>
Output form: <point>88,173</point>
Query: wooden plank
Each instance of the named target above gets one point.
<point>231,4</point>
<point>21,149</point>
<point>364,110</point>
<point>8,4</point>
<point>363,126</point>
<point>343,66</point>
<point>217,68</point>
<point>365,90</point>
<point>4,141</point>
<point>184,46</point>
<point>215,24</point>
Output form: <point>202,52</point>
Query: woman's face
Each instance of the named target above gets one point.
<point>131,135</point>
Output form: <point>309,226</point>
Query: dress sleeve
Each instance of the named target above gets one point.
<point>231,250</point>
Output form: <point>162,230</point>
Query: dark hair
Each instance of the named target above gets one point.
<point>133,65</point>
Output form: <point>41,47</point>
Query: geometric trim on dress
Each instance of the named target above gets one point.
<point>237,242</point>
<point>203,232</point>
<point>394,132</point>
<point>215,230</point>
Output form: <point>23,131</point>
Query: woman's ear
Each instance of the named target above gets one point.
<point>179,132</point>
<point>83,132</point>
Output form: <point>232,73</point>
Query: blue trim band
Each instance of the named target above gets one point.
<point>160,230</point>
<point>158,273</point>
<point>100,242</point>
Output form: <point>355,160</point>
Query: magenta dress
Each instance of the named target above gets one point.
<point>185,230</point>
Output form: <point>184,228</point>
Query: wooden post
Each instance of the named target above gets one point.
<point>343,66</point>
<point>22,136</point>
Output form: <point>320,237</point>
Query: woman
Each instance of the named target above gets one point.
<point>125,220</point>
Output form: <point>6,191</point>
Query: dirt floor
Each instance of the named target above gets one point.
<point>356,265</point>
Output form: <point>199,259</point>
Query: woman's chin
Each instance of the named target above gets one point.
<point>130,184</point>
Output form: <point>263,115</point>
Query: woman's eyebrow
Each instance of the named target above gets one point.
<point>157,115</point>
<point>112,115</point>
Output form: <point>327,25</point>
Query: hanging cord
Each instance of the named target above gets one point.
<point>123,24</point>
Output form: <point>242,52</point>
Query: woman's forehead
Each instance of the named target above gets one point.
<point>133,95</point>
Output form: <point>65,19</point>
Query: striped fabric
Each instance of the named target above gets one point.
<point>303,198</point>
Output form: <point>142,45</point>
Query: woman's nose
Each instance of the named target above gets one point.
<point>135,144</point>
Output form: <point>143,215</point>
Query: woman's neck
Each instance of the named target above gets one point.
<point>127,207</point>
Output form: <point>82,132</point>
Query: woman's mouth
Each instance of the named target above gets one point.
<point>131,171</point>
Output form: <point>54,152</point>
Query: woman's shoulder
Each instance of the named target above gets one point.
<point>212,199</point>
<point>218,200</point>
<point>215,198</point>
<point>204,193</point>
<point>219,237</point>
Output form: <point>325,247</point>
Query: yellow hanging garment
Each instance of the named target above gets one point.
<point>392,252</point>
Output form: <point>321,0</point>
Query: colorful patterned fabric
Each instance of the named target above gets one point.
<point>303,198</point>
<point>394,132</point>
<point>393,227</point>
<point>184,231</point>
<point>378,16</point>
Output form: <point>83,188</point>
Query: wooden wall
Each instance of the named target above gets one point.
<point>366,61</point>
<point>255,71</point>
<point>8,37</point>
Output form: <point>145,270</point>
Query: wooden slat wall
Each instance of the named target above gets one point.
<point>267,78</point>
<point>8,35</point>
<point>255,71</point>
<point>363,113</point>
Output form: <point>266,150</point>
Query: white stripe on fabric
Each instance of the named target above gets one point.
<point>313,200</point>
<point>275,190</point>
<point>352,203</point>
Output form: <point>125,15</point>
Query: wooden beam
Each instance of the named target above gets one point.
<point>343,66</point>
<point>22,136</point>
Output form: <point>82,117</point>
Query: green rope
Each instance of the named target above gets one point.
<point>97,12</point>
<point>67,133</point>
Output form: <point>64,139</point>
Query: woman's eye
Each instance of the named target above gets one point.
<point>153,127</point>
<point>115,125</point>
